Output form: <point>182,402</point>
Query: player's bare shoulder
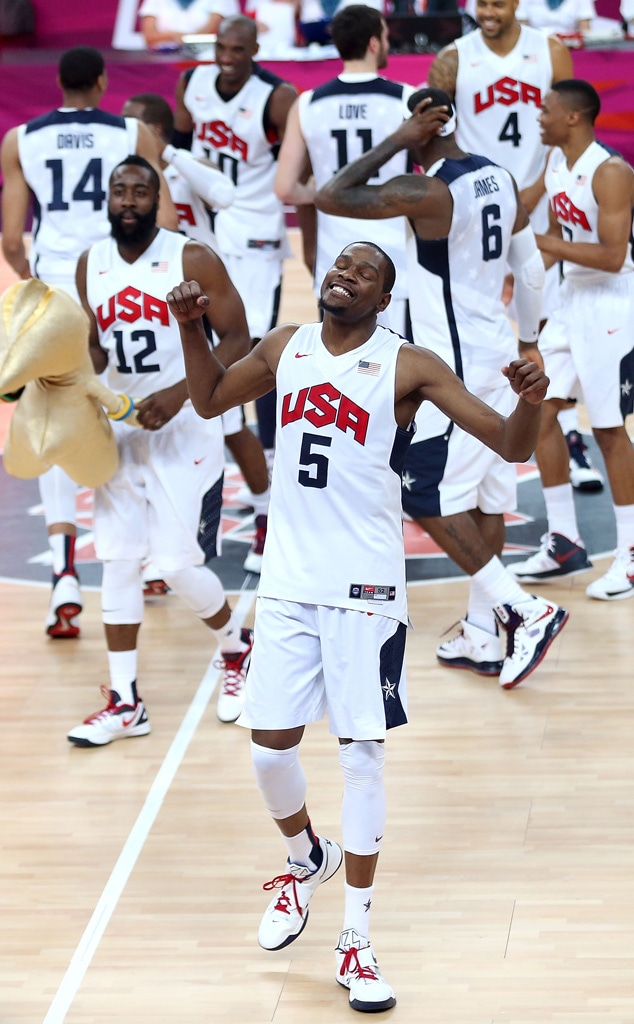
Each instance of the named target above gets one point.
<point>443,72</point>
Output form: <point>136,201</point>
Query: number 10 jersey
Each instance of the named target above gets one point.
<point>67,157</point>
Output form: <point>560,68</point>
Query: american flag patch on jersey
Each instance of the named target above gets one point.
<point>370,369</point>
<point>159,267</point>
<point>530,58</point>
<point>581,179</point>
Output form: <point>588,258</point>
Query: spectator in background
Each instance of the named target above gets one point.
<point>315,17</point>
<point>165,22</point>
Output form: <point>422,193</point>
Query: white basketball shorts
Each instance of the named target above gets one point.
<point>309,660</point>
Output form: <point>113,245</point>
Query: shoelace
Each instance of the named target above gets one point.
<point>111,706</point>
<point>358,969</point>
<point>280,882</point>
<point>233,680</point>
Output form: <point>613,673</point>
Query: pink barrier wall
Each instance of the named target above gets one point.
<point>30,89</point>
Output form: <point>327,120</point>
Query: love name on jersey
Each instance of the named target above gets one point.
<point>353,111</point>
<point>507,91</point>
<point>566,211</point>
<point>324,404</point>
<point>131,305</point>
<point>221,136</point>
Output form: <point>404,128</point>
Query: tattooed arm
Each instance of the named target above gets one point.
<point>443,71</point>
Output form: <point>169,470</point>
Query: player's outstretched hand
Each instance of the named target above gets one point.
<point>187,302</point>
<point>527,379</point>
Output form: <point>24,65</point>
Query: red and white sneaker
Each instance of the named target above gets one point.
<point>358,971</point>
<point>235,668</point>
<point>286,915</point>
<point>117,721</point>
<point>153,585</point>
<point>65,606</point>
<point>253,561</point>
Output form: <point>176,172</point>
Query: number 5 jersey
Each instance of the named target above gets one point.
<point>67,157</point>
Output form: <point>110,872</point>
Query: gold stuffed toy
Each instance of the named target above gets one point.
<point>45,363</point>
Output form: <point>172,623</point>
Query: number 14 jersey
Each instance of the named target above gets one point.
<point>67,157</point>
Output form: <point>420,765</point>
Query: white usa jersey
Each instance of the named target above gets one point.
<point>340,121</point>
<point>335,534</point>
<point>232,133</point>
<point>498,100</point>
<point>456,282</point>
<point>572,200</point>
<point>135,325</point>
<point>194,216</point>
<point>67,157</point>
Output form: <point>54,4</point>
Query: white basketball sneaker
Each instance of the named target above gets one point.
<point>472,648</point>
<point>618,582</point>
<point>286,915</point>
<point>358,971</point>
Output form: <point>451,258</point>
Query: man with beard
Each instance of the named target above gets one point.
<point>62,160</point>
<point>333,124</point>
<point>170,471</point>
<point>331,613</point>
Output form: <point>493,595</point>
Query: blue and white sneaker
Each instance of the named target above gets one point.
<point>530,627</point>
<point>286,915</point>
<point>557,556</point>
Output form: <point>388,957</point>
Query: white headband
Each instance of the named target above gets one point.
<point>449,126</point>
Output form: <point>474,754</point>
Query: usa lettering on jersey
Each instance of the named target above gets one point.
<point>567,213</point>
<point>507,92</point>
<point>221,136</point>
<point>322,405</point>
<point>130,305</point>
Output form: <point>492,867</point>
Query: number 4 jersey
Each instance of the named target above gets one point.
<point>135,325</point>
<point>498,100</point>
<point>67,157</point>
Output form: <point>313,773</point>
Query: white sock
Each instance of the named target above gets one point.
<point>229,637</point>
<point>560,510</point>
<point>305,849</point>
<point>123,669</point>
<point>480,608</point>
<point>568,419</point>
<point>261,502</point>
<point>624,525</point>
<point>498,584</point>
<point>358,904</point>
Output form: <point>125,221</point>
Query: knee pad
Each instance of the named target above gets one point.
<point>363,809</point>
<point>280,778</point>
<point>122,592</point>
<point>59,495</point>
<point>199,587</point>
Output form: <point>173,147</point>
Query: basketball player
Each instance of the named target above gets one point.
<point>170,470</point>
<point>237,114</point>
<point>497,77</point>
<point>198,189</point>
<point>63,161</point>
<point>587,341</point>
<point>331,613</point>
<point>466,221</point>
<point>335,123</point>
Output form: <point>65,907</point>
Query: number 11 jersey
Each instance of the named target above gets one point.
<point>67,157</point>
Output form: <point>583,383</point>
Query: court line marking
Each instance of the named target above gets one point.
<point>133,845</point>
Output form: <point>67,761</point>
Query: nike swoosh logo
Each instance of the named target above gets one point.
<point>126,724</point>
<point>302,355</point>
<point>614,330</point>
<point>197,462</point>
<point>377,839</point>
<point>560,559</point>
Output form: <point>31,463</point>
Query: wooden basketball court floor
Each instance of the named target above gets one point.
<point>130,876</point>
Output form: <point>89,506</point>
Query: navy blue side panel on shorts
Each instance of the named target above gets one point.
<point>627,384</point>
<point>424,469</point>
<point>391,668</point>
<point>210,519</point>
<point>402,441</point>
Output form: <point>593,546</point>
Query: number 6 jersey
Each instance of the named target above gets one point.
<point>135,325</point>
<point>67,157</point>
